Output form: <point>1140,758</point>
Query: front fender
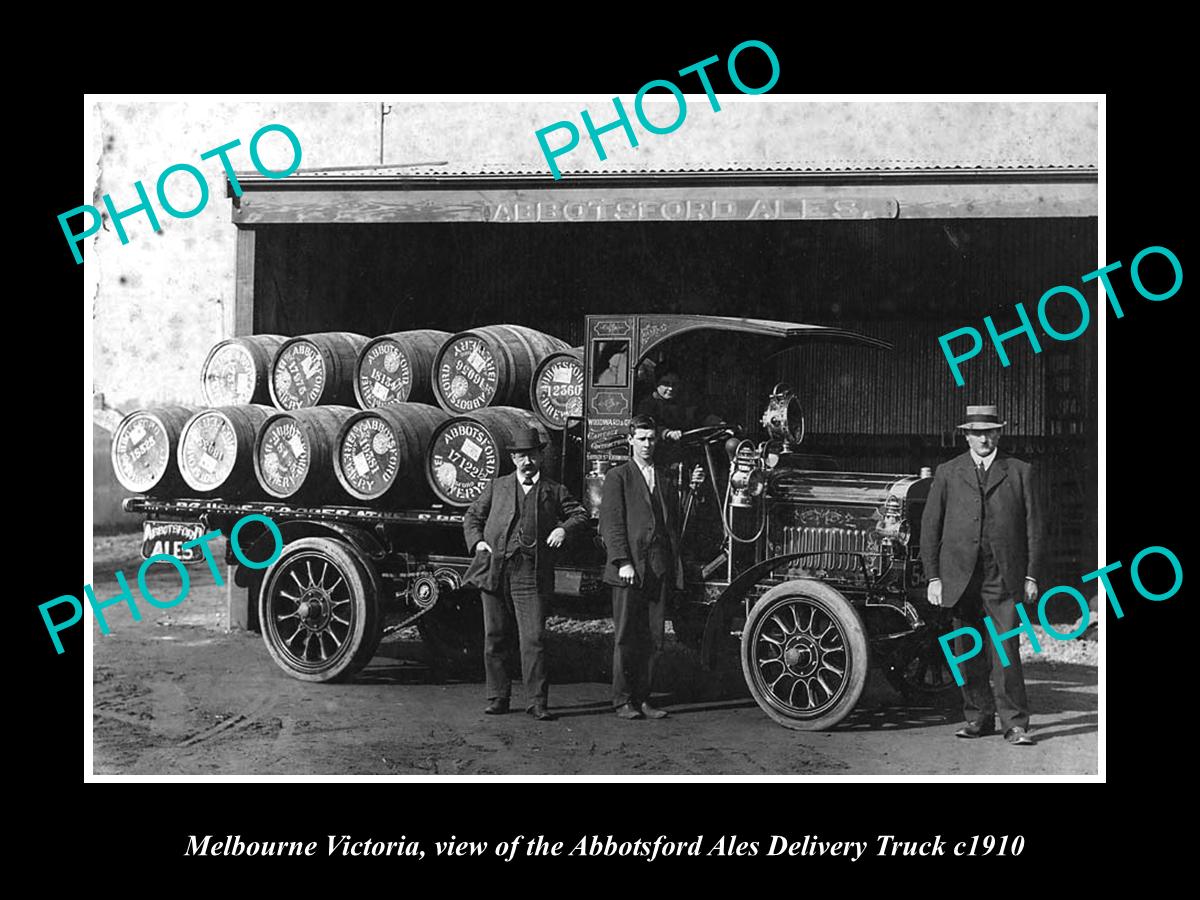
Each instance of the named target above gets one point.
<point>717,625</point>
<point>365,542</point>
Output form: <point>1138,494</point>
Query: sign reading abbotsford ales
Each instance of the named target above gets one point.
<point>689,208</point>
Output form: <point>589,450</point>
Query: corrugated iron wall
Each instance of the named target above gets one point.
<point>911,390</point>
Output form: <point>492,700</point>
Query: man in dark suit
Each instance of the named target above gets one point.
<point>513,529</point>
<point>666,409</point>
<point>981,547</point>
<point>638,512</point>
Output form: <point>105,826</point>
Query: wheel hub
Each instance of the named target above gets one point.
<point>802,656</point>
<point>425,590</point>
<point>313,610</point>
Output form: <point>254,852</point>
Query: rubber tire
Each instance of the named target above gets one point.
<point>836,607</point>
<point>366,623</point>
<point>688,619</point>
<point>946,695</point>
<point>452,633</point>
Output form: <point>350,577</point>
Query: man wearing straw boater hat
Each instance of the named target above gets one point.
<point>514,529</point>
<point>981,547</point>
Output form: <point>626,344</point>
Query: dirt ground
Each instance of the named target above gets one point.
<point>175,694</point>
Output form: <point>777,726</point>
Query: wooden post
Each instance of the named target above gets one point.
<point>239,614</point>
<point>240,319</point>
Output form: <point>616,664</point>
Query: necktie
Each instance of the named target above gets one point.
<point>981,474</point>
<point>528,482</point>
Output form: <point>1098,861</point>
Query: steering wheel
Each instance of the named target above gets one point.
<point>705,434</point>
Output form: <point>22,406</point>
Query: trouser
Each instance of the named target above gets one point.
<point>988,686</point>
<point>518,606</point>
<point>639,617</point>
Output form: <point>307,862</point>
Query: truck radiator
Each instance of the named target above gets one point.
<point>837,547</point>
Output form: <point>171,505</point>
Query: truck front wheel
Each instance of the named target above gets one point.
<point>804,655</point>
<point>319,610</point>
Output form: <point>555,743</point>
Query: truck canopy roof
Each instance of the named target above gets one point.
<point>791,332</point>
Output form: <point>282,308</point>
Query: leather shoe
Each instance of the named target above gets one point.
<point>976,730</point>
<point>651,712</point>
<point>629,711</point>
<point>1019,737</point>
<point>539,712</point>
<point>497,707</point>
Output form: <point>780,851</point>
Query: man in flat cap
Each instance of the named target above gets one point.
<point>981,547</point>
<point>666,408</point>
<point>514,529</point>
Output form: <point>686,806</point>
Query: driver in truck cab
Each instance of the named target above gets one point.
<point>666,408</point>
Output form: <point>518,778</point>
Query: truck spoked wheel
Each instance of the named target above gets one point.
<point>687,621</point>
<point>453,636</point>
<point>319,610</point>
<point>917,668</point>
<point>804,655</point>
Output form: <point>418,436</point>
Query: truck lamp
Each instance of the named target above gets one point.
<point>784,419</point>
<point>891,525</point>
<point>746,479</point>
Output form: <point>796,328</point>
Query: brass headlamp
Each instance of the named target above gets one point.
<point>784,418</point>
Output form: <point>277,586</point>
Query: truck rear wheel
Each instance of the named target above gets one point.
<point>916,667</point>
<point>804,655</point>
<point>319,610</point>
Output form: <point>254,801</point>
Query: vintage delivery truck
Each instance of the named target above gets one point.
<point>809,574</point>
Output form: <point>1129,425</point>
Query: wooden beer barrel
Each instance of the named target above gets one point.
<point>216,450</point>
<point>468,451</point>
<point>316,370</point>
<point>556,391</point>
<point>238,370</point>
<point>381,453</point>
<point>143,449</point>
<point>490,366</point>
<point>294,451</point>
<point>397,368</point>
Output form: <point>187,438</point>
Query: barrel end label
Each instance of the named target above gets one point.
<point>369,457</point>
<point>208,450</point>
<point>462,460</point>
<point>229,377</point>
<point>467,375</point>
<point>558,392</point>
<point>298,376</point>
<point>284,457</point>
<point>140,453</point>
<point>385,375</point>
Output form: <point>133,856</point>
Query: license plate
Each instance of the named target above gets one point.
<point>169,537</point>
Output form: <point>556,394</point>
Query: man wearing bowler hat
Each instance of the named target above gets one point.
<point>514,529</point>
<point>981,547</point>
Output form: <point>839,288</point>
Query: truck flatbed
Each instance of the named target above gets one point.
<point>192,508</point>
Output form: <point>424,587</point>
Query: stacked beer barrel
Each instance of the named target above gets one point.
<point>144,446</point>
<point>238,370</point>
<point>485,378</point>
<point>397,368</point>
<point>399,420</point>
<point>556,391</point>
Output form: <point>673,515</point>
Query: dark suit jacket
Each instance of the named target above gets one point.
<point>627,520</point>
<point>950,525</point>
<point>667,415</point>
<point>489,517</point>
